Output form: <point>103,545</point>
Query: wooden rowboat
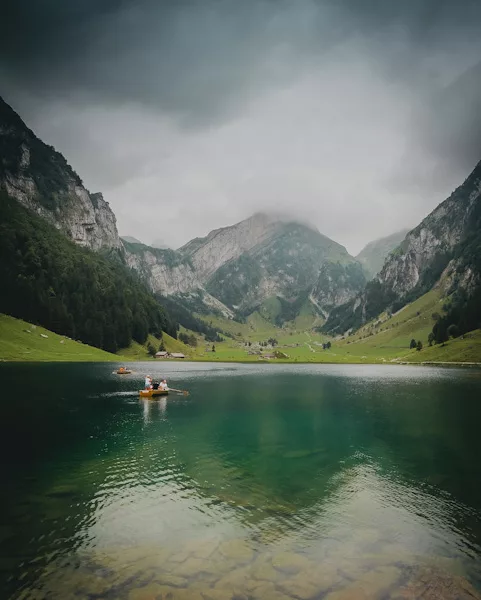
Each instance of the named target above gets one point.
<point>123,372</point>
<point>151,393</point>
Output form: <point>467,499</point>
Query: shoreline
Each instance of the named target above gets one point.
<point>123,360</point>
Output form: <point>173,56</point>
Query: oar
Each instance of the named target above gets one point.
<point>185,392</point>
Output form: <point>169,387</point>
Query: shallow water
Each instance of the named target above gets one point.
<point>267,481</point>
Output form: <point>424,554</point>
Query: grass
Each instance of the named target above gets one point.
<point>22,341</point>
<point>463,349</point>
<point>138,351</point>
<point>384,340</point>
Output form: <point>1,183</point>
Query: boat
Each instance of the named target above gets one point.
<point>151,393</point>
<point>123,372</point>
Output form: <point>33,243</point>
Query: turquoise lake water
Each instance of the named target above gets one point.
<point>267,481</point>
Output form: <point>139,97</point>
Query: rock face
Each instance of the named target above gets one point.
<point>435,251</point>
<point>170,273</point>
<point>228,243</point>
<point>265,257</point>
<point>41,179</point>
<point>428,248</point>
<point>336,285</point>
<point>373,255</point>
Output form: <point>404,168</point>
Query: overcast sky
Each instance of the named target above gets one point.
<point>358,116</point>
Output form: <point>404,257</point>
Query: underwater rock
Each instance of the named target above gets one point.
<point>191,567</point>
<point>155,591</point>
<point>373,585</point>
<point>236,549</point>
<point>235,580</point>
<point>289,562</point>
<point>264,570</point>
<point>299,587</point>
<point>265,590</point>
<point>434,584</point>
<point>201,548</point>
<point>152,591</point>
<point>172,580</point>
<point>214,594</point>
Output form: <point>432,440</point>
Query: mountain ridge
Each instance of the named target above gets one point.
<point>374,253</point>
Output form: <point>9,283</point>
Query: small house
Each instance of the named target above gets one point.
<point>177,355</point>
<point>161,354</point>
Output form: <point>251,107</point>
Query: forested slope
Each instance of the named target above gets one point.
<point>89,296</point>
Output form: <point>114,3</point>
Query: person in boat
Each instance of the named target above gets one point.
<point>155,385</point>
<point>148,382</point>
<point>163,385</point>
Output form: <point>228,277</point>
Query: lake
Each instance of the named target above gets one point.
<point>266,482</point>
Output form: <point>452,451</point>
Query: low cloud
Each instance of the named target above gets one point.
<point>356,117</point>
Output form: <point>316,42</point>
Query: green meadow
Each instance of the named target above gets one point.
<point>383,340</point>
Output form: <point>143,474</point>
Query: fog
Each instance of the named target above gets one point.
<point>357,117</point>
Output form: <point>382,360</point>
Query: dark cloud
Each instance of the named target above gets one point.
<point>200,58</point>
<point>216,108</point>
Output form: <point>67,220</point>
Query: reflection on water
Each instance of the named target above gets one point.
<point>293,483</point>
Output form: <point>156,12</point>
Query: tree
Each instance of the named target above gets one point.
<point>213,347</point>
<point>183,337</point>
<point>419,346</point>
<point>431,338</point>
<point>435,316</point>
<point>151,349</point>
<point>453,330</point>
<point>162,346</point>
<point>412,344</point>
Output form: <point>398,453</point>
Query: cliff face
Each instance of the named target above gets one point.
<point>170,273</point>
<point>427,249</point>
<point>166,271</point>
<point>41,180</point>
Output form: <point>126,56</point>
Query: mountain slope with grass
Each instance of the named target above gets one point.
<point>22,341</point>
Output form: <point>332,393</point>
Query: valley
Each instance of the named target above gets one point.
<point>264,278</point>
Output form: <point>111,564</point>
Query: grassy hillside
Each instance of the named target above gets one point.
<point>21,341</point>
<point>383,340</point>
<point>138,351</point>
<point>463,349</point>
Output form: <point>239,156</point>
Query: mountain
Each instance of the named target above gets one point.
<point>373,255</point>
<point>265,257</point>
<point>232,271</point>
<point>159,243</point>
<point>40,178</point>
<point>130,239</point>
<point>444,249</point>
<point>49,280</point>
<point>51,230</point>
